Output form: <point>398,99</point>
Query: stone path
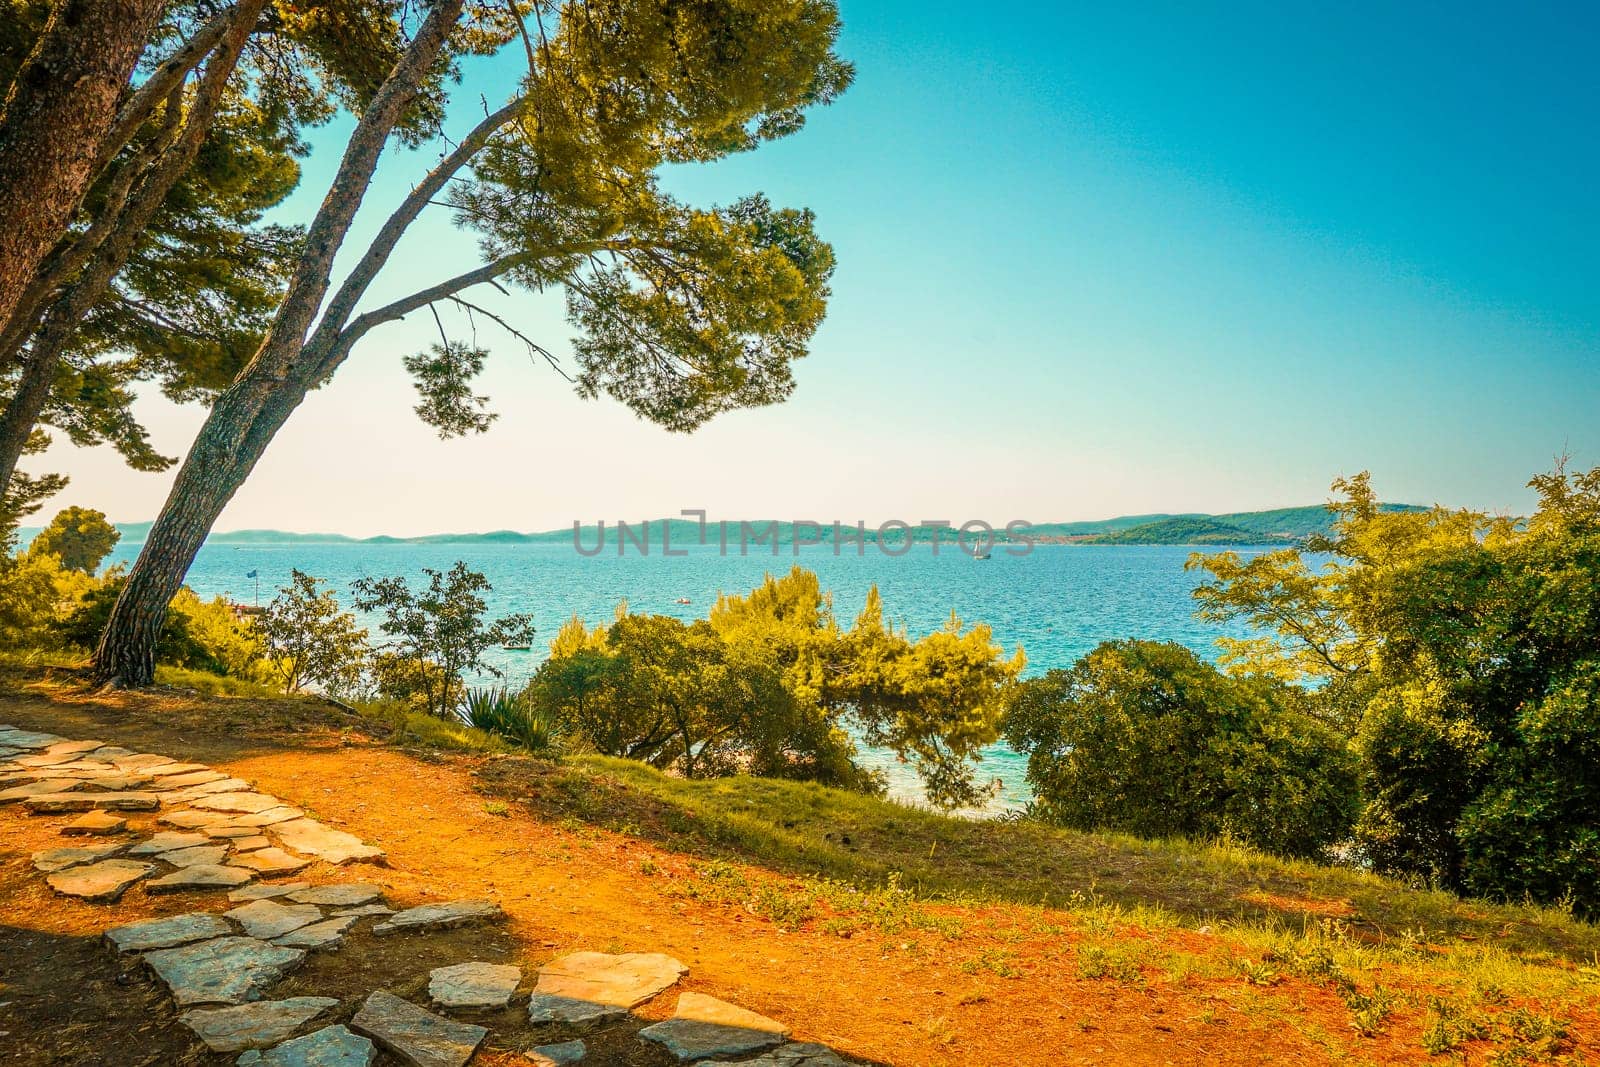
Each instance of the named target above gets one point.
<point>220,835</point>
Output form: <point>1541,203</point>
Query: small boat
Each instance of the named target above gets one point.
<point>982,553</point>
<point>518,648</point>
<point>683,600</point>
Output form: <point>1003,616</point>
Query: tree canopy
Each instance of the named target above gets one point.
<point>80,538</point>
<point>1146,738</point>
<point>1464,649</point>
<point>769,684</point>
<point>681,312</point>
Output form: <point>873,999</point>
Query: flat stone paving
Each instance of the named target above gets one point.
<point>267,919</point>
<point>224,970</point>
<point>332,1046</point>
<point>415,1036</point>
<point>259,1025</point>
<point>703,1027</point>
<point>440,916</point>
<point>167,933</point>
<point>222,967</point>
<point>200,876</point>
<point>105,881</point>
<point>474,986</point>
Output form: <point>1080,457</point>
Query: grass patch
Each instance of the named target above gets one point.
<point>828,834</point>
<point>1463,971</point>
<point>408,727</point>
<point>214,685</point>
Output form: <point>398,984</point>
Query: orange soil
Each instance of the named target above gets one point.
<point>887,1000</point>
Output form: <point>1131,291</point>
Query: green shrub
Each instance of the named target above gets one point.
<point>35,591</point>
<point>1146,738</point>
<point>197,635</point>
<point>504,714</point>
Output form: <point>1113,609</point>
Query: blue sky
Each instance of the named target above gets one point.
<point>1094,259</point>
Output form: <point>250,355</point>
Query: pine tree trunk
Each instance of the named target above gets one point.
<point>244,419</point>
<point>59,110</point>
<point>227,449</point>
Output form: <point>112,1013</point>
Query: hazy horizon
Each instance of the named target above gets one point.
<point>610,521</point>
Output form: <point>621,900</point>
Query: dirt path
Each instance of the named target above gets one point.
<point>905,999</point>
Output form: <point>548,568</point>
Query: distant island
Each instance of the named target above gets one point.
<point>1280,526</point>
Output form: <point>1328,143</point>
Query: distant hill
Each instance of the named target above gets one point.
<point>1277,527</point>
<point>1188,531</point>
<point>1281,526</point>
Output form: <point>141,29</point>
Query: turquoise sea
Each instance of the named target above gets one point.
<point>1057,602</point>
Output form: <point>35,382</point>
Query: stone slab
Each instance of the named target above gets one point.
<point>621,981</point>
<point>200,855</point>
<point>225,785</point>
<point>224,970</point>
<point>103,881</point>
<point>545,1009</point>
<point>165,770</point>
<point>60,802</point>
<point>73,748</point>
<point>167,841</point>
<point>55,800</point>
<point>142,761</point>
<point>332,1046</point>
<point>258,1025</point>
<point>200,876</point>
<point>46,759</point>
<point>441,916</point>
<point>193,778</point>
<point>312,838</point>
<point>559,1055</point>
<point>59,859</point>
<point>325,934</point>
<point>272,862</point>
<point>416,1037</point>
<point>118,782</point>
<point>342,895</point>
<point>267,919</point>
<point>475,986</point>
<point>703,1027</point>
<point>365,909</point>
<point>265,892</point>
<point>253,843</point>
<point>28,739</point>
<point>109,753</point>
<point>168,932</point>
<point>797,1054</point>
<point>95,824</point>
<point>47,787</point>
<point>242,803</point>
<point>270,817</point>
<point>193,820</point>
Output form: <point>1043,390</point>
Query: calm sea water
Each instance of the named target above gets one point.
<point>1057,603</point>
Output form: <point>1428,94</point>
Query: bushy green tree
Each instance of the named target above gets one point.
<point>438,633</point>
<point>1146,738</point>
<point>80,537</point>
<point>307,639</point>
<point>1470,644</point>
<point>768,684</point>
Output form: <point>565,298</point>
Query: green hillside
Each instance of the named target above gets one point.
<point>1189,531</point>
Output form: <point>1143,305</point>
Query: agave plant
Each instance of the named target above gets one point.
<point>503,713</point>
